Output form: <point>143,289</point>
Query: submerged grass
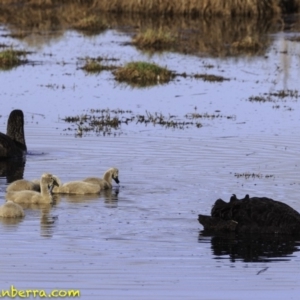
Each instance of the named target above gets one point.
<point>280,95</point>
<point>141,73</point>
<point>248,175</point>
<point>109,122</point>
<point>11,58</point>
<point>94,66</point>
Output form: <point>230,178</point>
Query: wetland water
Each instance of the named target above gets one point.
<point>142,240</point>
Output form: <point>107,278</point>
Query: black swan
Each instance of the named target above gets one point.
<point>252,215</point>
<point>12,144</point>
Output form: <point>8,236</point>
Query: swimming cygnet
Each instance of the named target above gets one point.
<point>75,187</point>
<point>11,210</point>
<point>23,184</point>
<point>47,181</point>
<point>105,182</point>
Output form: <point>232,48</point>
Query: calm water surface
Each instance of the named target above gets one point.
<point>142,240</point>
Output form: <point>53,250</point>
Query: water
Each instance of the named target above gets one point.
<point>142,240</point>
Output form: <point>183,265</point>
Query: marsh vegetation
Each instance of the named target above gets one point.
<point>278,96</point>
<point>10,58</point>
<point>186,7</point>
<point>109,122</point>
<point>141,73</point>
<point>248,175</point>
<point>98,64</point>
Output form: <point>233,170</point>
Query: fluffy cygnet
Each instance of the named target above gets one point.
<point>105,182</point>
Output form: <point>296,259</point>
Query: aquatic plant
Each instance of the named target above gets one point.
<point>248,175</point>
<point>143,74</point>
<point>97,64</point>
<point>196,115</point>
<point>285,93</point>
<point>280,95</point>
<point>210,77</point>
<point>11,58</point>
<point>109,122</point>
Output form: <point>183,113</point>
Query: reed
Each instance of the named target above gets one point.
<point>154,40</point>
<point>10,58</point>
<point>90,24</point>
<point>186,7</point>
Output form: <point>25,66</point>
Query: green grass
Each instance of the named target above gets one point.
<point>92,66</point>
<point>143,74</point>
<point>10,58</point>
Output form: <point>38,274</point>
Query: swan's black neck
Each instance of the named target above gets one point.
<point>15,128</point>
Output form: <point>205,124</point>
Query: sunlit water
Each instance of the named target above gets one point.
<point>141,240</point>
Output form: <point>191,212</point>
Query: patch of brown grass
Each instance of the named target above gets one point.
<point>154,40</point>
<point>90,24</point>
<point>186,7</point>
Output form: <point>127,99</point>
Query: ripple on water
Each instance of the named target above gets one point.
<point>142,239</point>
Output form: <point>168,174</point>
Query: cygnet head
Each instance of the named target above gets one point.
<point>115,175</point>
<point>50,180</point>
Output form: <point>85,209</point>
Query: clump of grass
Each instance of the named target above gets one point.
<point>154,40</point>
<point>143,74</point>
<point>95,65</point>
<point>11,58</point>
<point>91,24</point>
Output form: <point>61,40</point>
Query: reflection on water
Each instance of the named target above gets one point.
<point>10,221</point>
<point>215,37</point>
<point>48,223</point>
<point>110,197</point>
<point>12,169</point>
<point>252,248</point>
